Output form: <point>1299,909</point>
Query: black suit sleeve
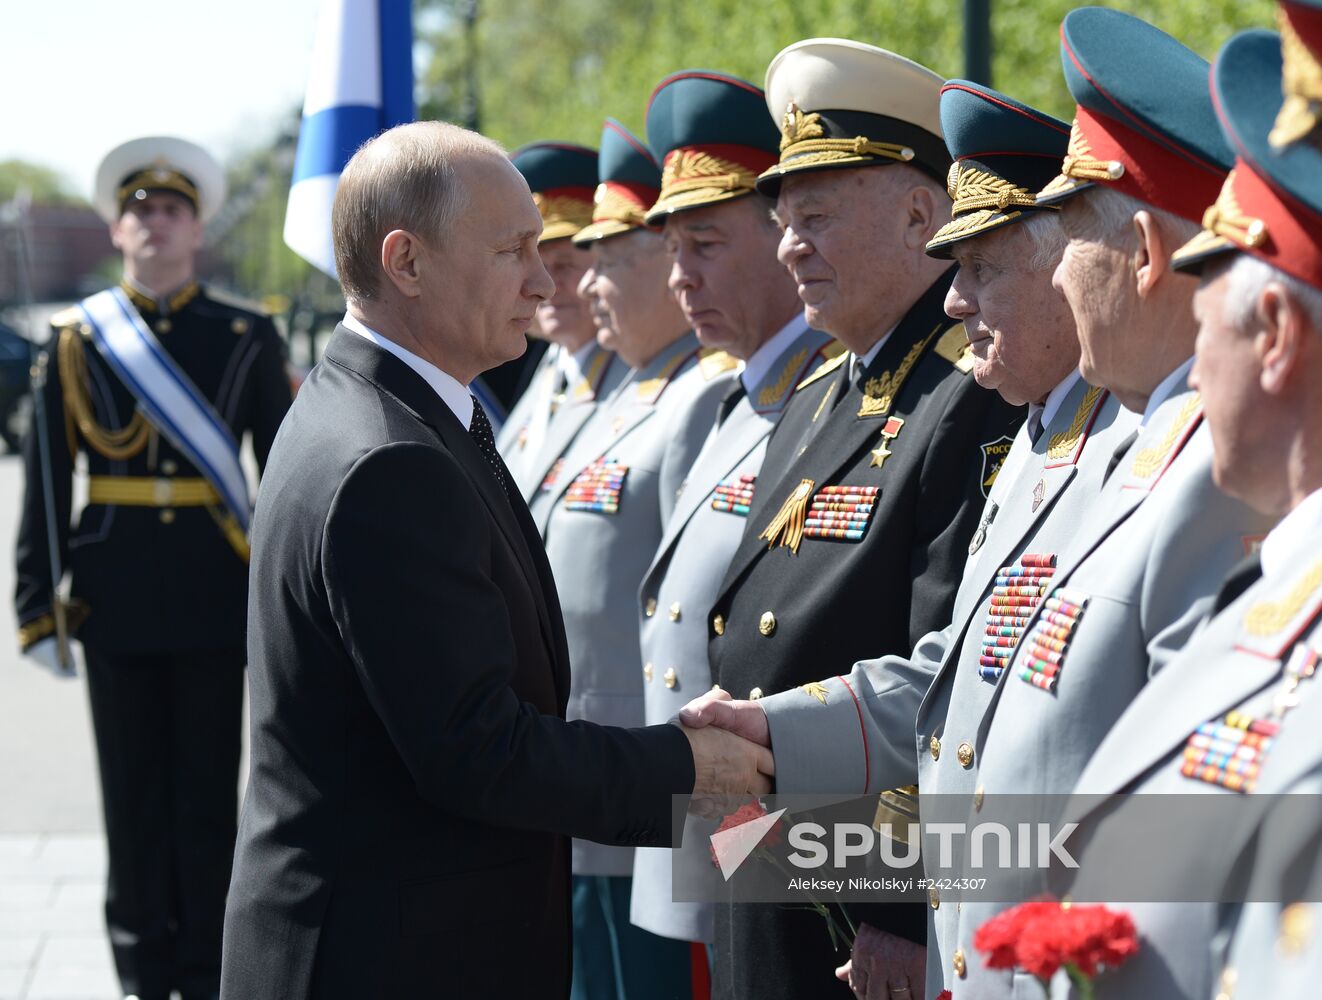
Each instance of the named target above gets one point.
<point>35,579</point>
<point>408,555</point>
<point>952,501</point>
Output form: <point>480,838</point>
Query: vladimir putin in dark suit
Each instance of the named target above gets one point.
<point>413,782</point>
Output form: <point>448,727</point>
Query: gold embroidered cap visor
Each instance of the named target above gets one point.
<point>1301,79</point>
<point>982,201</point>
<point>617,208</point>
<point>158,163</point>
<point>563,213</point>
<point>842,104</point>
<point>696,176</point>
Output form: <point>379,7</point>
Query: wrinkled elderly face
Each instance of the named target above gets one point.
<point>1095,276</point>
<point>629,291</point>
<point>841,238</point>
<point>1019,326</point>
<point>723,260</point>
<point>563,318</point>
<point>1226,371</point>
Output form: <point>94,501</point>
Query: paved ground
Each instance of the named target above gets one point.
<point>52,854</point>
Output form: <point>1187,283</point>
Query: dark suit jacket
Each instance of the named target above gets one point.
<point>413,783</point>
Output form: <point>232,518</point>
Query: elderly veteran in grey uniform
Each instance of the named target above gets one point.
<point>601,520</point>
<point>1145,157</point>
<point>738,298</point>
<point>575,372</point>
<point>1024,346</point>
<point>1237,712</point>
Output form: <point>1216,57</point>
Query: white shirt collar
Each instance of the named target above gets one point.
<point>871,356</point>
<point>1176,381</point>
<point>572,365</point>
<point>453,393</point>
<point>1297,531</point>
<point>1056,397</point>
<point>758,366</point>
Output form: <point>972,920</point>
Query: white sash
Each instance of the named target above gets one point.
<point>167,397</point>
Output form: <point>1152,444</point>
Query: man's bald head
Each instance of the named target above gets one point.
<point>412,178</point>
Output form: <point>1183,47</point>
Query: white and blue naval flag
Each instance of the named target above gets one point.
<point>360,84</point>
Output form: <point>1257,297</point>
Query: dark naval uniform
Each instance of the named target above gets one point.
<point>871,489</point>
<point>159,600</point>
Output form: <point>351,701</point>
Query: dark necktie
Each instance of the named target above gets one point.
<point>480,428</point>
<point>1120,453</point>
<point>1035,427</point>
<point>730,400</point>
<point>1243,575</point>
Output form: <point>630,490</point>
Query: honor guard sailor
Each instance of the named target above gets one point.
<point>1145,156</point>
<point>154,382</point>
<point>1236,713</point>
<point>738,298</point>
<point>875,475</point>
<point>575,373</point>
<point>601,511</point>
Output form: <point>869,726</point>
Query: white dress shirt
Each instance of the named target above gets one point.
<point>1297,531</point>
<point>453,393</point>
<point>757,367</point>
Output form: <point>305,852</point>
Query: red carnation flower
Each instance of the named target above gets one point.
<point>1043,937</point>
<point>746,814</point>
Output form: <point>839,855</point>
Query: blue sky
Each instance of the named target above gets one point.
<point>77,77</point>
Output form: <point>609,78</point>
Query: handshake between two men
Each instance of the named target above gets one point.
<point>881,965</point>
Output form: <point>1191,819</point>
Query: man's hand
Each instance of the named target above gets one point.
<point>885,967</point>
<point>717,708</point>
<point>726,764</point>
<point>45,653</point>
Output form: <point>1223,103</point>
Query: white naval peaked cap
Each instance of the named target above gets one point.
<point>887,109</point>
<point>163,163</point>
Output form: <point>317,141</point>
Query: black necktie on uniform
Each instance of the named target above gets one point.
<point>1120,453</point>
<point>730,400</point>
<point>480,428</point>
<point>1243,575</point>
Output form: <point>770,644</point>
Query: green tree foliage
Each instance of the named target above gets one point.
<point>555,68</point>
<point>44,185</point>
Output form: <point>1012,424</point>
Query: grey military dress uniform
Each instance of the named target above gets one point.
<point>678,590</point>
<point>550,414</point>
<point>602,521</point>
<point>855,734</point>
<point>1237,712</point>
<point>1125,598</point>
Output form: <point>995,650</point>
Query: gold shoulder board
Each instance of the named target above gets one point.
<point>954,347</point>
<point>714,362</point>
<point>824,369</point>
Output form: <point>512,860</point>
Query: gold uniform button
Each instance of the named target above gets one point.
<point>755,694</point>
<point>169,467</point>
<point>965,754</point>
<point>647,672</point>
<point>934,898</point>
<point>977,798</point>
<point>935,747</point>
<point>163,325</point>
<point>718,624</point>
<point>167,516</point>
<point>650,608</point>
<point>674,612</point>
<point>767,623</point>
<point>1229,980</point>
<point>1296,929</point>
<point>670,678</point>
<point>239,326</point>
<point>959,964</point>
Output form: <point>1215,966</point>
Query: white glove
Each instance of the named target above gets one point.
<point>45,654</point>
